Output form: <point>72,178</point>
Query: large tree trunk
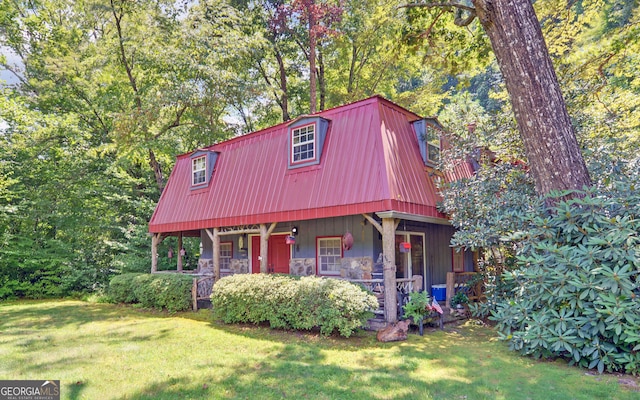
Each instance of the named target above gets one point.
<point>540,111</point>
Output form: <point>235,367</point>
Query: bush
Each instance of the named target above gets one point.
<point>170,291</point>
<point>576,293</point>
<point>290,303</point>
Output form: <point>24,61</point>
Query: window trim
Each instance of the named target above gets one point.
<point>293,146</point>
<point>318,266</point>
<point>230,243</point>
<point>203,170</point>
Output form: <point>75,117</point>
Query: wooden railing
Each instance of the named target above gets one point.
<point>201,289</point>
<point>466,281</point>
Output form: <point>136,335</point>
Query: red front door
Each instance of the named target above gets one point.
<point>278,258</point>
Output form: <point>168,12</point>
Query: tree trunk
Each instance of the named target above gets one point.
<point>540,111</point>
<point>157,170</point>
<point>284,96</point>
<point>312,64</point>
<point>322,83</point>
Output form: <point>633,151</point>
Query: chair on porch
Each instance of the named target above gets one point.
<point>404,292</point>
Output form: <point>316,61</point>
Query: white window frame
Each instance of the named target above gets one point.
<point>226,254</point>
<point>332,254</point>
<point>199,173</point>
<point>304,130</point>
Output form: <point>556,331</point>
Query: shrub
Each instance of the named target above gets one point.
<point>121,288</point>
<point>290,303</point>
<point>576,293</point>
<point>170,291</point>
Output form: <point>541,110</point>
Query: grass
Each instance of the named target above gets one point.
<point>102,351</point>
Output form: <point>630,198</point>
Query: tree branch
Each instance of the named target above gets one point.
<point>434,5</point>
<point>459,21</point>
<point>174,124</point>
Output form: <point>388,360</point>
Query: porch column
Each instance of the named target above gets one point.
<point>264,248</point>
<point>154,252</point>
<point>389,269</point>
<point>216,254</point>
<point>264,245</point>
<point>179,251</point>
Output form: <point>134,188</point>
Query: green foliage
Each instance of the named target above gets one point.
<point>418,306</point>
<point>289,303</point>
<point>459,298</point>
<point>576,292</point>
<point>162,291</point>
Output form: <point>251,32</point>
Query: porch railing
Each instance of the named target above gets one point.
<point>466,281</point>
<point>201,289</point>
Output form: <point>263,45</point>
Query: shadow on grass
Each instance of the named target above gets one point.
<point>60,313</point>
<point>359,340</point>
<point>295,373</point>
<point>73,391</point>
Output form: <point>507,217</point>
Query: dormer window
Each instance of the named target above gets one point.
<point>303,143</point>
<point>306,141</point>
<point>428,133</point>
<point>433,145</point>
<point>199,170</point>
<point>202,164</point>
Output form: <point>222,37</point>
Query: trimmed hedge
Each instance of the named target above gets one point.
<point>290,303</point>
<point>170,291</point>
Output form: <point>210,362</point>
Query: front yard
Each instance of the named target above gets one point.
<point>102,351</point>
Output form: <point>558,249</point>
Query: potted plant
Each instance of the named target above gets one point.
<point>458,301</point>
<point>418,308</point>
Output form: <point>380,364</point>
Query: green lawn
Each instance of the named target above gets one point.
<point>101,351</point>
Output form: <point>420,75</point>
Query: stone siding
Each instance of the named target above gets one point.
<point>239,266</point>
<point>356,267</point>
<point>302,266</point>
<point>236,266</point>
<point>205,266</point>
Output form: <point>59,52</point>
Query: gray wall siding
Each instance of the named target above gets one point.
<point>309,230</point>
<point>305,247</point>
<point>439,256</point>
<point>367,242</point>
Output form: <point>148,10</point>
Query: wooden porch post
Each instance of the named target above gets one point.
<point>179,251</point>
<point>154,252</point>
<point>216,254</point>
<point>389,269</point>
<point>264,249</point>
<point>264,245</point>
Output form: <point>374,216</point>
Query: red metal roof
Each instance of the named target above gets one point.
<point>370,163</point>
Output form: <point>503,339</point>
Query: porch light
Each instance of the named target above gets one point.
<point>294,231</point>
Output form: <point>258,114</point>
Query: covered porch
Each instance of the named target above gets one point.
<point>208,272</point>
<point>391,278</point>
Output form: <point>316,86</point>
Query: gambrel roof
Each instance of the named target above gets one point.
<point>370,162</point>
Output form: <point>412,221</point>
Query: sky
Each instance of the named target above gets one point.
<point>12,59</point>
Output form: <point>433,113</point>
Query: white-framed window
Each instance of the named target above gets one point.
<point>303,143</point>
<point>198,170</point>
<point>329,255</point>
<point>433,145</point>
<point>226,254</point>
